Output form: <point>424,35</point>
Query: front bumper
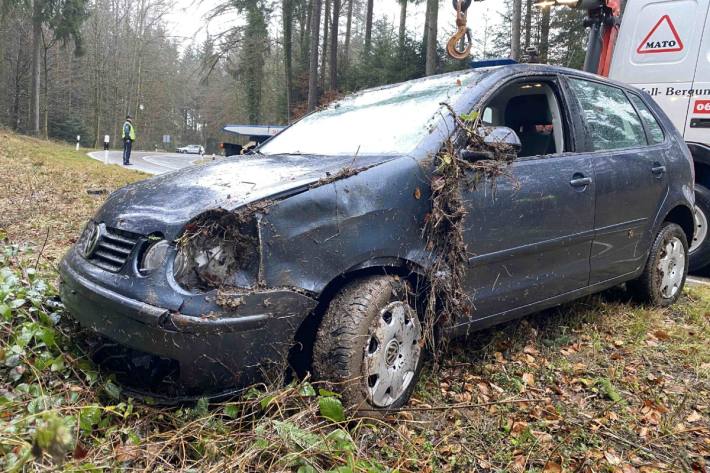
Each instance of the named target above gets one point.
<point>216,349</point>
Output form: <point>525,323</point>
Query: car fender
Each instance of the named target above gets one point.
<point>368,218</point>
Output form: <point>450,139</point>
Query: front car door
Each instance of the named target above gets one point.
<point>529,235</point>
<point>630,172</point>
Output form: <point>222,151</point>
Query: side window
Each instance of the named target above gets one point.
<point>611,119</point>
<point>655,132</point>
<point>532,110</point>
<point>487,116</point>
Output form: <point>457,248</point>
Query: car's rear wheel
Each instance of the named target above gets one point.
<point>369,344</point>
<point>700,246</point>
<point>661,283</point>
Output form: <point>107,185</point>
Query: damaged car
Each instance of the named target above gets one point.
<point>312,255</point>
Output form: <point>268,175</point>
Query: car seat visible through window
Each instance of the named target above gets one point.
<point>529,116</point>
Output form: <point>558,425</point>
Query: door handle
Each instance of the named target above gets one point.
<point>658,169</point>
<point>580,181</point>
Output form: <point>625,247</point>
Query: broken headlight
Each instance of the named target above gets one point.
<point>218,249</point>
<point>154,256</point>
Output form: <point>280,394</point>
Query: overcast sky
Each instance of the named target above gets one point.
<point>188,17</point>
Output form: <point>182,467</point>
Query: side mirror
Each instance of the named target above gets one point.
<point>500,135</point>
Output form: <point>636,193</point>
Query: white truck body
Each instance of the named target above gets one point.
<point>664,49</point>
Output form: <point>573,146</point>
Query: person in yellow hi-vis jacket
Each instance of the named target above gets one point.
<point>128,135</point>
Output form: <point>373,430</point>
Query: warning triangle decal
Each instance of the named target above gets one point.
<point>663,38</point>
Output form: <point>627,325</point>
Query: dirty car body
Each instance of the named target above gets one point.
<point>306,213</point>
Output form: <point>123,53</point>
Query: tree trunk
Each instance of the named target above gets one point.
<point>515,31</point>
<point>348,31</point>
<point>334,46</point>
<point>36,68</point>
<point>528,22</point>
<point>545,35</point>
<point>432,13</point>
<point>402,24</point>
<point>368,27</point>
<point>304,35</point>
<point>324,48</point>
<point>45,93</point>
<point>288,53</point>
<point>313,64</point>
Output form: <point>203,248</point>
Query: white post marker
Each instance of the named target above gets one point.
<point>107,139</point>
<point>78,138</point>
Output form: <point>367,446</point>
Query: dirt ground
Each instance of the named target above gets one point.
<point>600,385</point>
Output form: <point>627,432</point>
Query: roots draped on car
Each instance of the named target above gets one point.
<point>446,298</point>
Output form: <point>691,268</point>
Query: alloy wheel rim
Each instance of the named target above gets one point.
<point>392,354</point>
<point>671,266</point>
<point>701,230</point>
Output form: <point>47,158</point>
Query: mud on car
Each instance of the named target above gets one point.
<point>312,252</point>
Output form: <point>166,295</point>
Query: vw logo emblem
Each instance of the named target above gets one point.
<point>92,240</point>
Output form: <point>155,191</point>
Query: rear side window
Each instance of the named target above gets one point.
<point>611,119</point>
<point>655,132</point>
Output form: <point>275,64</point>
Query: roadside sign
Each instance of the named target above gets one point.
<point>166,138</point>
<point>663,38</point>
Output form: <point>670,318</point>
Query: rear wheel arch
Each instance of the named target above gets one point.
<point>683,217</point>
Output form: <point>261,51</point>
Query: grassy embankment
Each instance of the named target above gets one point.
<point>601,385</point>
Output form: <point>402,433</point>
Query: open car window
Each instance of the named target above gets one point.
<point>532,110</point>
<point>389,120</point>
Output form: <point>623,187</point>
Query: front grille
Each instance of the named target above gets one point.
<point>113,248</point>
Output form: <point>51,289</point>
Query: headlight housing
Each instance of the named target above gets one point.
<point>154,256</point>
<point>218,249</point>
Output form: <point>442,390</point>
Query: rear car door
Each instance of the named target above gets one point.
<point>631,177</point>
<point>529,235</point>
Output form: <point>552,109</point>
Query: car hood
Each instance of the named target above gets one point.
<point>165,203</point>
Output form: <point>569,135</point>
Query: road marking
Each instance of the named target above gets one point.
<point>698,281</point>
<point>174,168</point>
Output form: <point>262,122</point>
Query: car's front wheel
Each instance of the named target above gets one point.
<point>664,275</point>
<point>370,344</point>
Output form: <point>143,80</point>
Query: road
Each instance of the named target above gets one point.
<point>149,161</point>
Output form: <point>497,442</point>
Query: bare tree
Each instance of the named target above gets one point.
<point>324,48</point>
<point>288,52</point>
<point>36,58</point>
<point>432,13</point>
<point>402,23</point>
<point>334,45</point>
<point>528,22</point>
<point>368,26</point>
<point>348,31</point>
<point>313,65</point>
<point>515,33</point>
<point>544,35</point>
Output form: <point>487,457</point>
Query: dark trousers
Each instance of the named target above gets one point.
<point>127,144</point>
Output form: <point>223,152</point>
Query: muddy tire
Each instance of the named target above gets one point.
<point>369,345</point>
<point>662,280</point>
<point>700,246</point>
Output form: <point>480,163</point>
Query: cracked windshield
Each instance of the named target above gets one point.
<point>391,120</point>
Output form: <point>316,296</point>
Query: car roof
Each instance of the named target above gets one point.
<point>508,70</point>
